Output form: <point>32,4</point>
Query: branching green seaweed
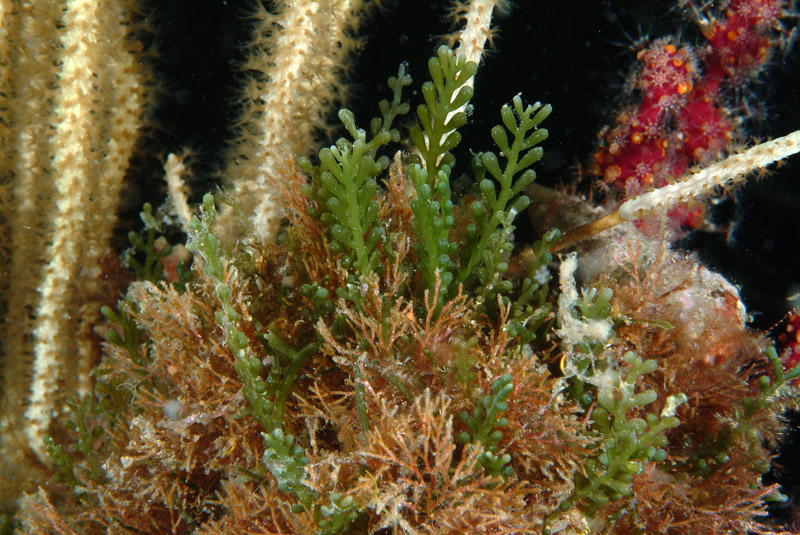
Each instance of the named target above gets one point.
<point>484,427</point>
<point>624,443</point>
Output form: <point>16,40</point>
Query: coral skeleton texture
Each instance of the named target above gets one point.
<point>354,342</point>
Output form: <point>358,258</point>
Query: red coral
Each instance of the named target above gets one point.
<point>682,118</point>
<point>789,343</point>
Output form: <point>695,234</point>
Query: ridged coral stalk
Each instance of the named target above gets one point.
<point>694,186</point>
<point>78,176</point>
<point>69,130</point>
<point>75,110</point>
<point>298,56</point>
<point>724,173</point>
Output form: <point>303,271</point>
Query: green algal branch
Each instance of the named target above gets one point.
<point>344,188</point>
<point>435,136</point>
<point>624,443</point>
<point>529,312</point>
<point>287,463</point>
<point>287,369</point>
<point>266,398</point>
<point>344,183</point>
<point>131,334</point>
<point>711,452</point>
<point>88,435</point>
<point>284,459</point>
<point>494,210</point>
<point>484,427</point>
<point>145,242</point>
<point>207,247</point>
<point>440,117</point>
<point>346,173</point>
<point>432,223</point>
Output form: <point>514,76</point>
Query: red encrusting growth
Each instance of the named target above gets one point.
<point>682,118</point>
<point>789,342</point>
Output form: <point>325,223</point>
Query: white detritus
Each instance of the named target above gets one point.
<point>574,330</point>
<point>672,404</point>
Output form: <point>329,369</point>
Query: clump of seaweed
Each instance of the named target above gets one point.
<point>387,366</point>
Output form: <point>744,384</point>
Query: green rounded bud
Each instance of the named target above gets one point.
<point>764,383</point>
<point>761,467</point>
<point>487,186</point>
<point>633,467</point>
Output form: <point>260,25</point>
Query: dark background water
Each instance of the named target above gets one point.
<point>575,55</point>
